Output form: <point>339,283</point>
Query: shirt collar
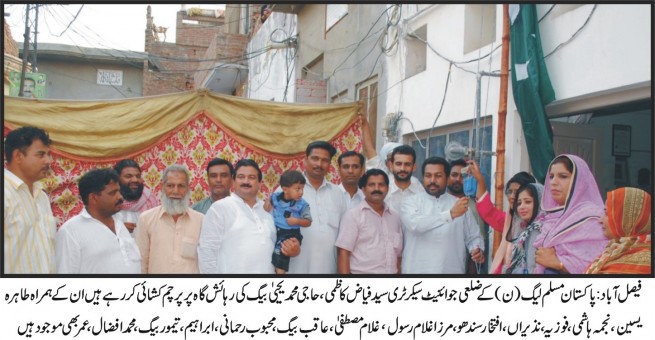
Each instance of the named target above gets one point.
<point>414,187</point>
<point>16,182</point>
<point>359,191</point>
<point>324,183</point>
<point>85,214</point>
<point>240,200</point>
<point>162,212</point>
<point>364,206</point>
<point>119,227</point>
<point>445,196</point>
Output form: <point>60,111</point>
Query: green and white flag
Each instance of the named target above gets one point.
<point>531,86</point>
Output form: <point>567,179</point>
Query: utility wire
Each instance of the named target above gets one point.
<point>547,12</point>
<point>71,22</point>
<point>591,13</point>
<point>360,41</point>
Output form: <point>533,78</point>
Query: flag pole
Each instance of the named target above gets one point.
<point>502,115</point>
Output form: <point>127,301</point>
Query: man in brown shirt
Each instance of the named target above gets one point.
<point>167,235</point>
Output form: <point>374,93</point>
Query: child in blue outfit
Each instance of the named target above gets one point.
<point>290,212</point>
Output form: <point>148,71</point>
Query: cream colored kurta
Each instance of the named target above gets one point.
<point>168,246</point>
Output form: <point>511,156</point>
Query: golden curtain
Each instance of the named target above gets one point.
<point>114,129</point>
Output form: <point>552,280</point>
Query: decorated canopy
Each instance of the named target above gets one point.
<point>187,128</point>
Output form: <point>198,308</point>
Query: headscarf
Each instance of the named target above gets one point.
<point>519,263</point>
<point>628,221</point>
<point>384,152</point>
<point>574,228</point>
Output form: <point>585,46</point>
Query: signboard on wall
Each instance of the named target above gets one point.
<point>34,86</point>
<point>110,77</point>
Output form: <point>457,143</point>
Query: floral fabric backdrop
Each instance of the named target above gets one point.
<point>191,145</point>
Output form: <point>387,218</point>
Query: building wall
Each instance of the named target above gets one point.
<point>233,18</point>
<point>177,68</point>
<point>180,60</point>
<point>268,72</point>
<point>241,18</point>
<point>225,48</point>
<point>11,61</point>
<point>199,34</point>
<point>351,54</point>
<point>349,50</point>
<point>311,91</point>
<point>10,46</point>
<point>419,97</point>
<point>611,51</point>
<point>78,80</point>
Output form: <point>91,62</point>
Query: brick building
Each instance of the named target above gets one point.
<point>204,55</point>
<point>10,60</point>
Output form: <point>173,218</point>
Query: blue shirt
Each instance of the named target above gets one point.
<point>298,209</point>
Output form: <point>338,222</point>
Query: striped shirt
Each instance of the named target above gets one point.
<point>29,228</point>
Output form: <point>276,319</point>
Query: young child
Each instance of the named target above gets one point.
<point>290,212</point>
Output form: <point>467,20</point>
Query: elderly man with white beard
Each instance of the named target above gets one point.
<point>167,235</point>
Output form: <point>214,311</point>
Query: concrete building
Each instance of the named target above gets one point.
<point>601,77</point>
<point>424,71</point>
<point>321,53</point>
<point>422,63</point>
<point>74,72</point>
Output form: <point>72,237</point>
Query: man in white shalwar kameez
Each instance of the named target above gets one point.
<point>328,204</point>
<point>95,241</point>
<point>237,234</point>
<point>439,231</point>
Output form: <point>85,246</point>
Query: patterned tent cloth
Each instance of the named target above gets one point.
<point>188,128</point>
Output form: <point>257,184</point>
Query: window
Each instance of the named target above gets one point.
<point>480,26</point>
<point>437,144</point>
<point>416,51</point>
<point>464,136</point>
<point>367,92</point>
<point>334,13</point>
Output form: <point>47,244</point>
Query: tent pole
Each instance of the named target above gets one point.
<point>502,115</point>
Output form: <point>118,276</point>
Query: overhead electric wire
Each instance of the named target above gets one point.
<point>360,41</point>
<point>591,13</point>
<point>71,22</point>
<point>547,12</point>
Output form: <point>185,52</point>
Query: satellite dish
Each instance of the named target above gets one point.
<point>454,150</point>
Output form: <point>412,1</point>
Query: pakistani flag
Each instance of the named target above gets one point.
<point>531,86</point>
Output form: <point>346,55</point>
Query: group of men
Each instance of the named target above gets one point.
<point>380,220</point>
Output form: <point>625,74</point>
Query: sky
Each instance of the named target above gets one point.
<point>119,26</point>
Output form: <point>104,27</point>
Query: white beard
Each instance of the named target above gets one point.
<point>175,206</point>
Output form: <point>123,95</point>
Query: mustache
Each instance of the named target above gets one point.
<point>377,192</point>
<point>246,186</point>
<point>119,202</point>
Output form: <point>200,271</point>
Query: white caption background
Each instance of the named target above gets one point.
<point>384,308</point>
